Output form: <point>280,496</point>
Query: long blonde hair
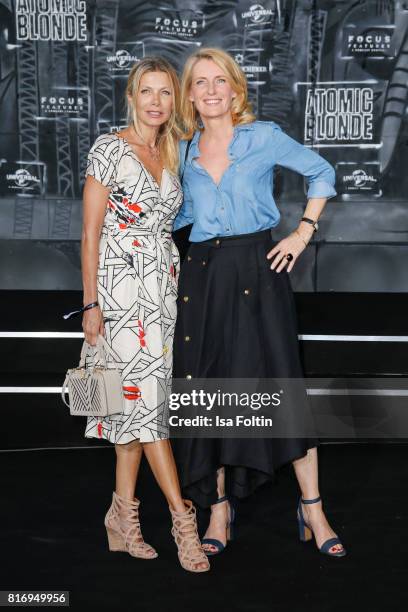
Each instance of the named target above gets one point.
<point>241,111</point>
<point>169,132</point>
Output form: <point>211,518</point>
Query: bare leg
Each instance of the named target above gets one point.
<point>128,457</point>
<point>306,470</point>
<point>160,457</point>
<point>161,460</point>
<point>219,516</point>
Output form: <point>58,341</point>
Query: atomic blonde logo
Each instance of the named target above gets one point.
<point>63,20</point>
<point>339,114</point>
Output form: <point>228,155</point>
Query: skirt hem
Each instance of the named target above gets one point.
<point>233,488</point>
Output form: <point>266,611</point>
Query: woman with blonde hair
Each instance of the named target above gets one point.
<point>236,316</point>
<point>129,267</point>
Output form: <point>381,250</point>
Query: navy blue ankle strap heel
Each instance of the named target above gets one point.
<point>229,530</point>
<point>306,533</point>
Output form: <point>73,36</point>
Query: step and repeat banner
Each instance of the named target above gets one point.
<point>333,74</point>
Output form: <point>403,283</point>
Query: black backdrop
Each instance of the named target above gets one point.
<point>333,74</point>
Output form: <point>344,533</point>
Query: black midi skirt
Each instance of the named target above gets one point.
<point>236,319</point>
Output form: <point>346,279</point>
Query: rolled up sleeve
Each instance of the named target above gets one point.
<point>319,174</point>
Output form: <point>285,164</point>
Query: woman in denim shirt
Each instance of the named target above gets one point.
<point>236,315</point>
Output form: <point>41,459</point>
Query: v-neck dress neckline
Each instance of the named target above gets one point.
<point>159,185</point>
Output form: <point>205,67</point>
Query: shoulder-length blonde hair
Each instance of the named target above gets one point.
<point>170,132</point>
<point>241,111</point>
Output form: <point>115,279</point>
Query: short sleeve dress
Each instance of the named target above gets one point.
<point>137,288</point>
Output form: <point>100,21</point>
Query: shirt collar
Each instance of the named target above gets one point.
<point>194,150</point>
<point>246,126</point>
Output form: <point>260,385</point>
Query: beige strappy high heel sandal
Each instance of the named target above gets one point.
<point>184,532</point>
<point>123,528</point>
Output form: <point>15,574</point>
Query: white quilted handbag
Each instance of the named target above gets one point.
<point>94,390</point>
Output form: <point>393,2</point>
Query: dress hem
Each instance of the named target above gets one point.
<point>107,439</point>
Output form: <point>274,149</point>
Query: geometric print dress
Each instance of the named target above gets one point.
<point>137,288</point>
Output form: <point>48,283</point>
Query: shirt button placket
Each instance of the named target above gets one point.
<point>225,220</point>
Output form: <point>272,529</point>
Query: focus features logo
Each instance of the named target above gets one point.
<point>369,42</point>
<point>173,25</point>
<point>22,178</point>
<point>61,104</point>
<point>122,58</point>
<point>258,14</point>
<point>359,178</point>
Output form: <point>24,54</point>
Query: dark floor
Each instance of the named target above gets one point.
<point>52,537</point>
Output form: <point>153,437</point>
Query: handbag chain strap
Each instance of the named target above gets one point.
<point>185,160</point>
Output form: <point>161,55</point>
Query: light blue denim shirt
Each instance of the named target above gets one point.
<point>243,202</point>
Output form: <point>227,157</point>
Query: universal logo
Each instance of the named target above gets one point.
<point>62,105</point>
<point>122,59</point>
<point>172,24</point>
<point>23,178</point>
<point>359,178</point>
<point>370,42</point>
<point>258,15</point>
